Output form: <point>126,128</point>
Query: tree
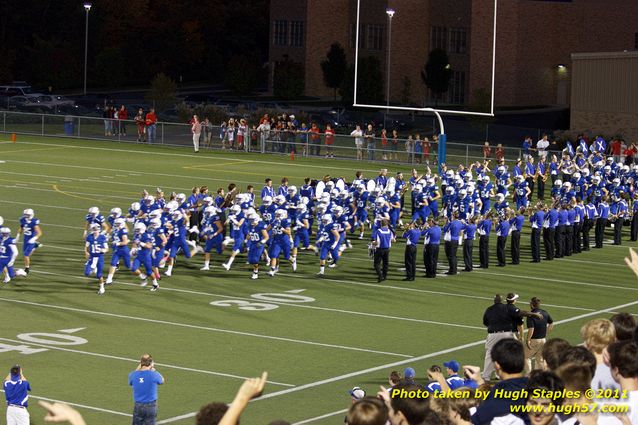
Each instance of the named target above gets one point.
<point>370,82</point>
<point>334,67</point>
<point>242,76</point>
<point>162,92</point>
<point>289,81</point>
<point>437,73</point>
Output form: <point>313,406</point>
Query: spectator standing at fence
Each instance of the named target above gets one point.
<point>409,148</point>
<point>418,149</point>
<point>141,126</point>
<point>122,116</point>
<point>370,138</point>
<point>542,146</point>
<point>230,133</point>
<point>207,132</point>
<point>144,380</point>
<point>394,145</point>
<point>384,144</point>
<point>16,391</point>
<point>487,151</point>
<point>151,126</point>
<point>264,132</point>
<point>196,129</point>
<point>357,133</point>
<point>315,139</point>
<point>106,114</point>
<point>426,146</point>
<point>330,140</point>
<point>500,153</point>
<point>242,130</point>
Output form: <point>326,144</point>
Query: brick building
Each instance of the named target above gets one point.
<point>535,41</point>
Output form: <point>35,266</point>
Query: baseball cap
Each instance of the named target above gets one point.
<point>452,364</point>
<point>357,393</point>
<point>408,372</point>
<point>512,296</point>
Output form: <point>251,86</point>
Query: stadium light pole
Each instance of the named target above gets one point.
<point>87,7</point>
<point>390,13</point>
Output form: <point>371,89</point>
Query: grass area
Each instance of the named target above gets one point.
<point>317,338</point>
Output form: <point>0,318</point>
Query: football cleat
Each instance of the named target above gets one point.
<point>101,290</point>
<point>144,283</point>
<point>254,276</point>
<point>154,288</point>
<point>205,268</point>
<point>167,273</point>
<point>21,272</point>
<point>226,266</point>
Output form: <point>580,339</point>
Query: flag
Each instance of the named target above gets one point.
<point>570,148</point>
<point>601,145</point>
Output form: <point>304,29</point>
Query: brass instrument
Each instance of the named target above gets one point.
<point>407,185</point>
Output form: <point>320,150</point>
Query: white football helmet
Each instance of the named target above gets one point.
<point>449,190</point>
<point>254,218</point>
<point>28,214</point>
<point>379,202</point>
<point>171,206</point>
<point>208,200</point>
<point>135,206</point>
<point>180,198</point>
<point>212,210</point>
<point>177,215</point>
<point>326,219</point>
<point>154,224</point>
<point>119,223</point>
<point>5,232</point>
<point>235,209</point>
<point>94,211</point>
<point>558,183</point>
<point>281,214</point>
<point>266,201</point>
<point>140,228</point>
<point>302,208</point>
<point>280,200</point>
<point>155,214</point>
<point>462,193</point>
<point>116,212</point>
<point>500,197</point>
<point>149,200</point>
<point>337,211</point>
<point>292,190</point>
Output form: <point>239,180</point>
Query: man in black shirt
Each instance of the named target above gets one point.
<point>537,330</point>
<point>501,321</point>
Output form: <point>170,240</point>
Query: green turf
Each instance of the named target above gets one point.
<point>203,350</point>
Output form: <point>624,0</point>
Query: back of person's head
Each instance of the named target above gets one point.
<point>211,414</point>
<point>451,409</point>
<point>575,376</point>
<point>546,382</point>
<point>146,360</point>
<point>414,410</point>
<point>279,422</point>
<point>510,355</point>
<point>367,411</point>
<point>598,334</point>
<point>15,370</point>
<point>552,351</point>
<point>625,326</point>
<point>579,354</point>
<point>623,358</point>
<point>430,418</point>
<point>395,377</point>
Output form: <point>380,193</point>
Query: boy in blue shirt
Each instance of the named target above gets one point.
<point>432,239</point>
<point>412,236</point>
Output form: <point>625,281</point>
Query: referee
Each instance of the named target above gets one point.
<point>382,239</point>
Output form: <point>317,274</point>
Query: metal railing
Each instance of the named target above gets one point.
<point>299,142</point>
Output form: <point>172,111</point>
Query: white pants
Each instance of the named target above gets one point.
<point>492,339</point>
<point>17,416</point>
<point>196,141</point>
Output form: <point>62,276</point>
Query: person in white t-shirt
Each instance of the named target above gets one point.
<point>357,133</point>
<point>542,146</point>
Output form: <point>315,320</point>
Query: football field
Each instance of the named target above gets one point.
<point>208,331</point>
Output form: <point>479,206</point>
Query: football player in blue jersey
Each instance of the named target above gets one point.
<point>292,199</point>
<point>361,214</point>
<point>301,226</point>
<point>522,191</point>
<point>282,241</point>
<point>433,196</point>
<point>381,212</point>
<point>236,219</point>
<point>31,231</point>
<point>501,204</point>
<point>93,217</point>
<point>156,230</point>
<point>340,221</point>
<point>257,240</point>
<point>144,241</point>
<point>133,212</point>
<point>95,246</point>
<point>178,227</point>
<point>114,214</point>
<point>213,232</point>
<point>120,248</point>
<point>267,209</point>
<point>8,255</point>
<point>421,209</point>
<point>329,241</point>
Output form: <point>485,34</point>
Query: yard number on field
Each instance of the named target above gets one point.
<point>44,338</point>
<point>274,297</point>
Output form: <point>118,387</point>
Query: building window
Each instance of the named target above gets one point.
<point>458,40</point>
<point>457,88</point>
<point>281,33</point>
<point>297,33</point>
<point>375,37</point>
<point>438,38</point>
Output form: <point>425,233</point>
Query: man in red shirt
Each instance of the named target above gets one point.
<point>315,139</point>
<point>151,125</point>
<point>615,148</point>
<point>122,116</point>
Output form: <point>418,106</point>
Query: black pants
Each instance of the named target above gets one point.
<point>194,221</point>
<point>451,247</point>
<point>468,248</point>
<point>548,242</point>
<point>501,241</point>
<point>515,246</point>
<point>541,189</point>
<point>559,241</point>
<point>634,227</point>
<point>431,259</point>
<point>600,231</point>
<point>587,226</point>
<point>618,225</point>
<point>315,147</point>
<point>530,184</point>
<point>381,259</point>
<point>536,245</point>
<point>484,251</point>
<point>578,240</point>
<point>569,240</point>
<point>410,261</point>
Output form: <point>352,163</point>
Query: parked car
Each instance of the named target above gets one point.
<point>55,100</point>
<point>27,103</point>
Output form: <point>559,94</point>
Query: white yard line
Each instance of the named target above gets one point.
<point>83,406</point>
<point>207,328</point>
<point>318,418</point>
<point>168,366</point>
<point>570,282</point>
